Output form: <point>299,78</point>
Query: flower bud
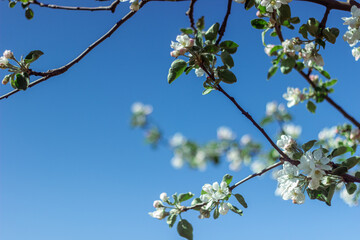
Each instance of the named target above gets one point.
<point>157,204</point>
<point>6,79</point>
<point>164,197</point>
<point>191,42</point>
<point>3,62</point>
<point>182,51</point>
<point>8,54</point>
<point>258,14</point>
<point>175,53</point>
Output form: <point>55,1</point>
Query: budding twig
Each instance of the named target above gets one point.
<point>190,14</point>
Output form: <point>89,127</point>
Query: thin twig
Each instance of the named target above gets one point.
<point>190,14</point>
<point>61,70</point>
<point>223,25</point>
<point>111,7</point>
<point>324,19</point>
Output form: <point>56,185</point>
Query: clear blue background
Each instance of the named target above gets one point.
<point>72,168</point>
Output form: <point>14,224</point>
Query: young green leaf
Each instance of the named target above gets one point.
<point>227,59</point>
<point>287,65</point>
<point>29,14</point>
<point>227,178</point>
<point>185,196</point>
<point>307,146</point>
<point>216,213</point>
<point>235,209</point>
<point>171,220</point>
<point>33,56</point>
<point>351,188</point>
<point>259,23</point>
<point>273,69</point>
<point>212,32</point>
<point>226,76</point>
<point>311,106</point>
<point>177,68</point>
<point>185,229</point>
<point>241,200</point>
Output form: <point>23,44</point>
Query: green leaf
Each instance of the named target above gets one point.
<point>235,209</point>
<point>284,12</point>
<point>12,4</point>
<point>33,56</point>
<point>248,4</point>
<point>29,14</point>
<point>21,81</point>
<point>212,32</point>
<point>311,106</point>
<point>207,91</point>
<point>351,187</point>
<point>307,146</point>
<point>185,229</point>
<point>325,74</point>
<point>275,49</point>
<point>339,151</point>
<point>185,196</point>
<point>200,24</point>
<point>187,30</point>
<point>216,213</point>
<point>241,200</point>
<point>199,40</point>
<point>266,120</point>
<point>351,162</point>
<point>226,76</point>
<point>297,155</point>
<point>287,65</point>
<point>227,60</point>
<point>294,20</point>
<point>211,48</point>
<point>330,83</point>
<point>313,27</point>
<point>259,23</point>
<point>357,174</point>
<point>303,31</point>
<point>330,194</point>
<point>171,220</point>
<point>227,178</point>
<point>273,69</point>
<point>177,68</point>
<point>228,45</point>
<point>329,35</point>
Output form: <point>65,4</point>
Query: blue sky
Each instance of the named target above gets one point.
<point>72,168</point>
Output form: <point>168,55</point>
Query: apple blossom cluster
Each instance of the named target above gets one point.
<point>272,5</point>
<point>184,42</point>
<point>352,36</point>
<point>293,96</point>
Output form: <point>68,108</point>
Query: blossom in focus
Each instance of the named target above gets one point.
<point>310,56</point>
<point>314,166</point>
<point>3,62</point>
<point>272,5</point>
<point>225,133</point>
<point>354,20</point>
<point>180,47</point>
<point>293,96</point>
<point>290,47</point>
<point>288,144</point>
<point>214,192</point>
<point>268,48</point>
<point>352,36</point>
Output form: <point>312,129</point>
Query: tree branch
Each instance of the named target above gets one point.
<point>111,7</point>
<point>61,70</point>
<point>190,14</point>
<point>223,25</point>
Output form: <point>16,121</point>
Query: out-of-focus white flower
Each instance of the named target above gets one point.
<point>8,54</point>
<point>292,130</point>
<point>177,161</point>
<point>271,108</point>
<point>272,5</point>
<point>245,140</point>
<point>234,157</point>
<point>281,108</point>
<point>3,62</point>
<point>157,204</point>
<point>268,48</point>
<point>291,47</point>
<point>293,96</point>
<point>139,108</point>
<point>348,199</point>
<point>164,197</point>
<point>356,53</point>
<point>225,133</point>
<point>314,77</point>
<point>224,208</point>
<point>257,166</point>
<point>354,20</point>
<point>327,133</point>
<point>177,140</point>
<point>314,166</point>
<point>200,160</point>
<point>288,144</point>
<point>199,72</point>
<point>214,192</point>
<point>355,134</point>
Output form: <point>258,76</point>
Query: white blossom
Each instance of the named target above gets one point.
<point>268,48</point>
<point>245,140</point>
<point>272,5</point>
<point>141,109</point>
<point>292,130</point>
<point>355,134</point>
<point>290,47</point>
<point>293,96</point>
<point>310,56</point>
<point>348,199</point>
<point>8,54</point>
<point>271,108</point>
<point>352,36</point>
<point>159,213</point>
<point>200,160</point>
<point>234,157</point>
<point>225,133</point>
<point>177,140</point>
<point>164,197</point>
<point>3,62</point>
<point>240,1</point>
<point>288,144</point>
<point>314,166</point>
<point>354,20</point>
<point>177,161</point>
<point>157,204</point>
<point>180,47</point>
<point>214,192</point>
<point>356,53</point>
<point>224,208</point>
<point>199,72</point>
